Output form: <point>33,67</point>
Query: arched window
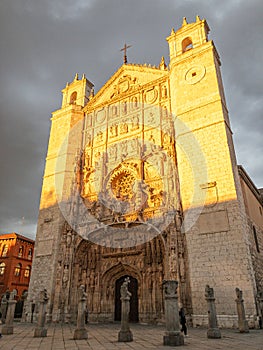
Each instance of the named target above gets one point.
<point>20,252</point>
<point>27,272</point>
<point>18,269</point>
<point>187,44</point>
<point>2,268</point>
<point>73,98</point>
<point>5,250</point>
<point>29,256</point>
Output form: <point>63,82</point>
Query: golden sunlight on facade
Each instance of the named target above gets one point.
<point>141,180</point>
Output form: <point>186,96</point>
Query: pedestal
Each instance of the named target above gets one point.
<point>125,336</point>
<point>80,334</point>
<point>173,339</point>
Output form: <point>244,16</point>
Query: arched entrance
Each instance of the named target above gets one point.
<point>133,288</point>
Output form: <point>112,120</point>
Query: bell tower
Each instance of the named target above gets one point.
<point>64,145</point>
<point>214,215</point>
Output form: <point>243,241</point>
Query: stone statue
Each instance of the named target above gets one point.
<point>242,322</point>
<point>213,330</point>
<point>172,336</point>
<point>81,332</point>
<point>125,334</point>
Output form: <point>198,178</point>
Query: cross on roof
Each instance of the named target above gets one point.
<point>125,52</point>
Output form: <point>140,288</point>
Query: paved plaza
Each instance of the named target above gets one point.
<point>104,337</point>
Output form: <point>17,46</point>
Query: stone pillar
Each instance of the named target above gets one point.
<point>173,336</point>
<point>125,334</point>
<point>8,327</point>
<point>3,308</point>
<point>213,330</point>
<point>242,322</point>
<point>80,331</point>
<point>40,330</point>
<point>25,307</point>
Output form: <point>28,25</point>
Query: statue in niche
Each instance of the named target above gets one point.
<point>123,128</point>
<point>113,130</point>
<point>135,123</point>
<point>124,148</point>
<point>151,117</point>
<point>88,140</point>
<point>100,136</point>
<point>113,152</point>
<point>209,292</point>
<point>164,91</point>
<point>124,107</point>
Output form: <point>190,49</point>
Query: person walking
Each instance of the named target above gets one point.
<point>183,321</point>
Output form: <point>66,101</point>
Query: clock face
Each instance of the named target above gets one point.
<point>195,74</point>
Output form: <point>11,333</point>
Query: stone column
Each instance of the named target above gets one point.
<point>173,336</point>
<point>3,308</point>
<point>40,330</point>
<point>213,330</point>
<point>125,334</point>
<point>242,322</point>
<point>8,327</point>
<point>80,331</point>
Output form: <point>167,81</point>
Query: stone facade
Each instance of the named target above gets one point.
<point>141,181</point>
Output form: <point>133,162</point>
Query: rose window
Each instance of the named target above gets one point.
<point>122,185</point>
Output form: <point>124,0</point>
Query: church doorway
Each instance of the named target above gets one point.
<point>133,288</point>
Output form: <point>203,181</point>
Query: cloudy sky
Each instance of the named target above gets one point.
<point>45,42</point>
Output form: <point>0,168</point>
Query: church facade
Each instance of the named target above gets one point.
<point>141,180</point>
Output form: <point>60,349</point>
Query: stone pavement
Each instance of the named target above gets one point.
<point>104,337</point>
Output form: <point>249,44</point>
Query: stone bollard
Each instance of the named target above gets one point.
<point>40,330</point>
<point>242,322</point>
<point>80,331</point>
<point>125,334</point>
<point>213,330</point>
<point>173,336</point>
<point>3,308</point>
<point>8,327</point>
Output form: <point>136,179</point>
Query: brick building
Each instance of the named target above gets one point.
<point>16,254</point>
<point>141,180</point>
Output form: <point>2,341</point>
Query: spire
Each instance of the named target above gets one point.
<point>184,22</point>
<point>83,76</point>
<point>172,31</point>
<point>162,64</point>
<point>198,19</point>
<point>76,77</point>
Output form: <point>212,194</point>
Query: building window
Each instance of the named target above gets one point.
<point>27,272</point>
<point>29,256</point>
<point>5,250</point>
<point>2,268</point>
<point>20,252</point>
<point>18,269</point>
<point>256,239</point>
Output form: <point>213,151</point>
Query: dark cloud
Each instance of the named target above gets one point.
<point>45,42</point>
